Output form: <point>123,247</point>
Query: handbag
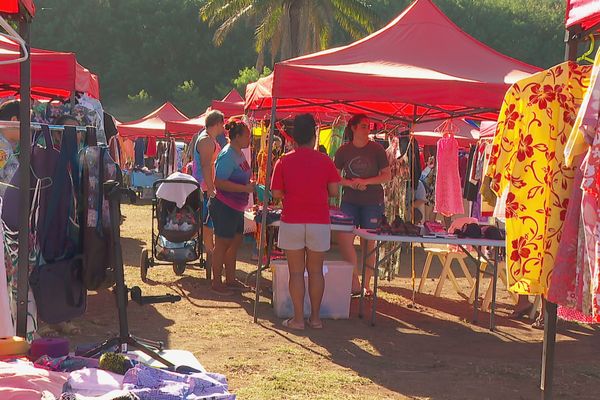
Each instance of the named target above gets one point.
<point>57,284</point>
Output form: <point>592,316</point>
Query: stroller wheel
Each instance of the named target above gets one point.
<point>144,265</point>
<point>179,269</point>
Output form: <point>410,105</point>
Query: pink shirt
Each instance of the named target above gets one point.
<point>304,175</point>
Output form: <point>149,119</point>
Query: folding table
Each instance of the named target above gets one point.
<point>398,240</point>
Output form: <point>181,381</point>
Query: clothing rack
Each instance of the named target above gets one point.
<point>24,182</point>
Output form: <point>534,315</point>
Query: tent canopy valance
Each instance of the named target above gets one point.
<point>153,124</point>
<point>52,73</point>
<point>420,64</point>
<point>583,12</point>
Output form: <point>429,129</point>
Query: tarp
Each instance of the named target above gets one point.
<point>17,7</point>
<point>153,124</point>
<point>231,105</point>
<point>52,73</point>
<point>584,12</point>
<point>420,63</point>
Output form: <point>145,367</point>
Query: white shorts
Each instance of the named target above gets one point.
<point>315,237</point>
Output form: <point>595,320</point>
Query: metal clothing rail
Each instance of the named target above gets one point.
<point>37,125</point>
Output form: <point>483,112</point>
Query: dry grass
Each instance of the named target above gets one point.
<point>431,351</point>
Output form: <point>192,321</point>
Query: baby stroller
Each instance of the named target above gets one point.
<point>176,225</point>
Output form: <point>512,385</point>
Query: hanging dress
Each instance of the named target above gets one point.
<point>448,196</point>
<point>535,122</point>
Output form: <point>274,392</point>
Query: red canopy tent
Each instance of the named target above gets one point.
<point>420,64</point>
<point>583,12</point>
<point>231,105</point>
<point>17,7</point>
<point>52,73</point>
<point>153,124</point>
<point>186,128</point>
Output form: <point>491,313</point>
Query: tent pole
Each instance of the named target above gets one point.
<point>548,351</point>
<point>266,197</point>
<point>572,36</point>
<point>24,161</point>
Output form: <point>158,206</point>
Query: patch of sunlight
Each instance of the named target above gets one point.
<point>219,329</point>
<point>290,350</point>
<point>303,383</point>
<point>366,346</point>
<point>240,366</point>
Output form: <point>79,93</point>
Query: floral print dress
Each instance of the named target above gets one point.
<point>535,122</point>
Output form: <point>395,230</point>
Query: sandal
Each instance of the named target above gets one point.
<point>288,324</point>
<point>315,325</point>
<point>538,323</point>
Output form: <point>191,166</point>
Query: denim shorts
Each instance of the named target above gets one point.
<point>365,217</point>
<point>227,221</point>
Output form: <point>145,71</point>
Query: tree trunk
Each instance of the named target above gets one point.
<point>295,15</point>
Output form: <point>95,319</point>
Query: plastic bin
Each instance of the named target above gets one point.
<point>336,298</point>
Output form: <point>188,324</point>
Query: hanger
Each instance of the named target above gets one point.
<point>447,128</point>
<point>586,56</point>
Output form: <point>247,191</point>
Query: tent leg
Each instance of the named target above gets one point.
<point>266,197</point>
<point>548,352</point>
<point>24,161</point>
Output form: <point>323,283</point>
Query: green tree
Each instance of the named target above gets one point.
<point>290,27</point>
<point>248,75</point>
<point>188,99</point>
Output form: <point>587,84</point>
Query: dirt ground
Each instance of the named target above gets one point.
<point>430,351</point>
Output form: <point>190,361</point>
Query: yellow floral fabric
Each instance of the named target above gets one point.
<point>535,122</point>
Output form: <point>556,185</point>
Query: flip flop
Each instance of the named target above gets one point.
<point>314,325</point>
<point>288,324</point>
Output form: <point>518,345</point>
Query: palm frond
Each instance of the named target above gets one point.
<point>226,26</point>
<point>267,28</point>
<point>357,11</point>
<point>215,11</point>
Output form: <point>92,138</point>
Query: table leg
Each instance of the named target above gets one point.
<point>362,281</point>
<point>476,299</point>
<point>375,278</point>
<point>494,284</point>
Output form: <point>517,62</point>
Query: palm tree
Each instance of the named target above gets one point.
<point>290,27</point>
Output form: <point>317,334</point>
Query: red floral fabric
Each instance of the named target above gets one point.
<point>528,157</point>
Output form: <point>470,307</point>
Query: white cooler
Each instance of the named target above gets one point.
<point>336,298</point>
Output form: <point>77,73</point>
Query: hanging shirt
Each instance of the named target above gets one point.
<point>139,149</point>
<point>233,167</point>
<point>535,121</point>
